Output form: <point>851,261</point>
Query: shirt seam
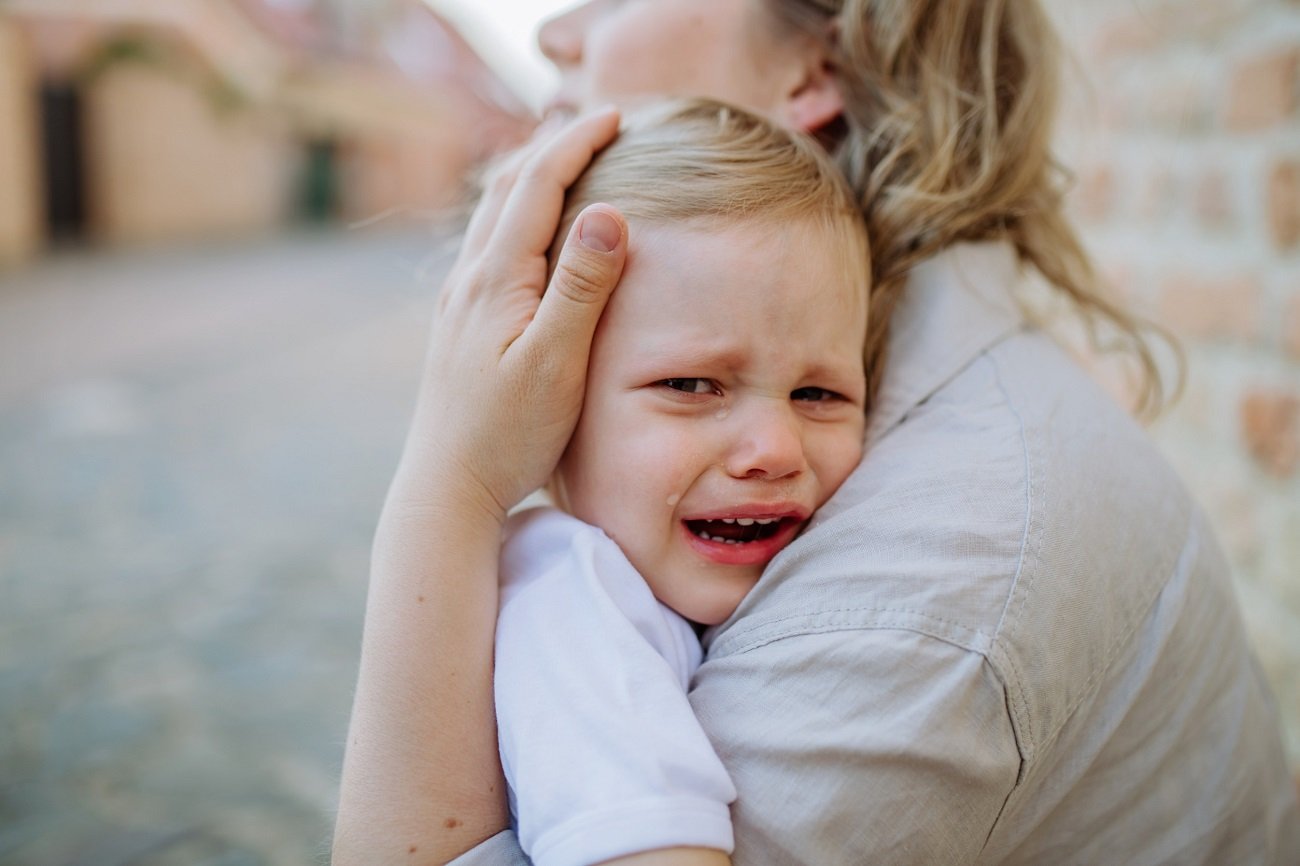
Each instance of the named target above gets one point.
<point>1126,638</point>
<point>1029,545</point>
<point>822,611</point>
<point>985,659</point>
<point>830,628</point>
<point>999,656</point>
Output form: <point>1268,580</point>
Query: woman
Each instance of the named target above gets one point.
<point>1009,638</point>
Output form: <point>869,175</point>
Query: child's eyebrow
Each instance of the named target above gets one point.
<point>695,354</point>
<point>850,384</point>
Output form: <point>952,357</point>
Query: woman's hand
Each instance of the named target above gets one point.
<point>507,365</point>
<point>503,385</point>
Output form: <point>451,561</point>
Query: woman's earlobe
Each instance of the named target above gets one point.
<point>816,104</point>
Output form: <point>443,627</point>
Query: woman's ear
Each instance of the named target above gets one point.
<point>817,105</point>
<point>813,101</point>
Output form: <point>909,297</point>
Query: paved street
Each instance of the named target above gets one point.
<point>193,448</point>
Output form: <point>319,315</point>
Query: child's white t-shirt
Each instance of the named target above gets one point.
<point>602,752</point>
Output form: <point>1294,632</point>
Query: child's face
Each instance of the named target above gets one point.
<point>724,404</point>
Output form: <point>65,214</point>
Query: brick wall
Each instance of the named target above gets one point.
<point>1183,128</point>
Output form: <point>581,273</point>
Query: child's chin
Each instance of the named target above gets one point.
<point>710,612</point>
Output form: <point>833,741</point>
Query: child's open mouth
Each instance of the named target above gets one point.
<point>737,530</point>
<point>741,540</point>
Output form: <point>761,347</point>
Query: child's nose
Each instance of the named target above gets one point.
<point>768,443</point>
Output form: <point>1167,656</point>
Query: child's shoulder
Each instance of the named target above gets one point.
<point>544,529</point>
<point>545,540</point>
<point>559,569</point>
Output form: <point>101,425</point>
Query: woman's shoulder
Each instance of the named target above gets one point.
<point>1017,513</point>
<point>994,458</point>
<point>1017,466</point>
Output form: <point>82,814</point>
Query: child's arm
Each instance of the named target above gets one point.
<point>602,751</point>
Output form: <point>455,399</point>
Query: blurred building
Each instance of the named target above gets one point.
<point>151,120</point>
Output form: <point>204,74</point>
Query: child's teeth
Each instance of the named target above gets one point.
<point>704,533</point>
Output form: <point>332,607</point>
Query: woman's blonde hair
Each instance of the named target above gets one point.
<point>946,137</point>
<point>700,159</point>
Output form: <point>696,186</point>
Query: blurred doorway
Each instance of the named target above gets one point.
<point>319,195</point>
<point>63,155</point>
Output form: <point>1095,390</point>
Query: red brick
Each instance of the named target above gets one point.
<point>1213,200</point>
<point>1270,427</point>
<point>1206,307</point>
<point>1284,204</point>
<point>1262,90</point>
<point>1125,35</point>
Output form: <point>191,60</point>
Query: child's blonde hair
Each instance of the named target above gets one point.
<point>703,160</point>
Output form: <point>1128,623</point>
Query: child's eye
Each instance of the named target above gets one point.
<point>691,386</point>
<point>814,395</point>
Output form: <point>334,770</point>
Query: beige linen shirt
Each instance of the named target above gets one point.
<point>1010,638</point>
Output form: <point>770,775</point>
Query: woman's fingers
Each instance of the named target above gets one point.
<point>552,160</point>
<point>508,355</point>
<point>500,179</point>
<point>505,374</point>
<point>589,267</point>
<point>532,210</point>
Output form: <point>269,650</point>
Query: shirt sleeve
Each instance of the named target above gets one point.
<point>847,746</point>
<point>501,850</point>
<point>602,752</point>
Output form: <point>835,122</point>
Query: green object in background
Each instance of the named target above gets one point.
<point>318,200</point>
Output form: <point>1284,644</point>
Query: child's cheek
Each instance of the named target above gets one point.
<point>837,456</point>
<point>670,447</point>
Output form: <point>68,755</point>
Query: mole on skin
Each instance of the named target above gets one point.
<point>451,823</point>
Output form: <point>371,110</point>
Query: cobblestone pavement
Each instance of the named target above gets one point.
<point>193,449</point>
